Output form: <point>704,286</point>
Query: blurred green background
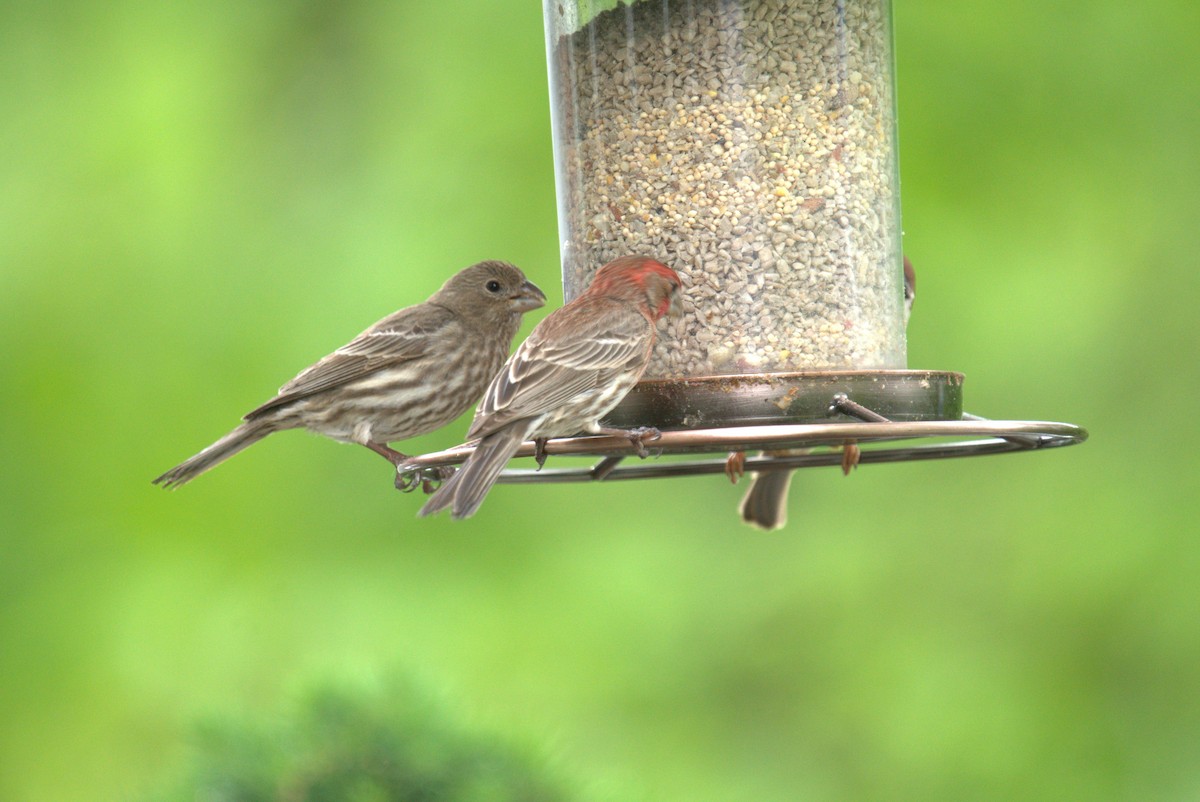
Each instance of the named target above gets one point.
<point>198,199</point>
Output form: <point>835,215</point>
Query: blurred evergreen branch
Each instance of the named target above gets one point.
<point>394,743</point>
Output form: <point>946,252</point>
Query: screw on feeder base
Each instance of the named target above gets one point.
<point>842,403</point>
<point>850,451</point>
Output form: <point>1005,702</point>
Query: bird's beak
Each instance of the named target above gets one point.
<point>530,296</point>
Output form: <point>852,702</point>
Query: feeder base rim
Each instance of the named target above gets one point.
<point>878,441</point>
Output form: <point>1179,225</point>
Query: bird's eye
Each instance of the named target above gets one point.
<point>493,286</point>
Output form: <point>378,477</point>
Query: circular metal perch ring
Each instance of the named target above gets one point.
<point>887,442</point>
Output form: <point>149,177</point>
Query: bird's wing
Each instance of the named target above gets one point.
<point>405,335</point>
<point>571,352</point>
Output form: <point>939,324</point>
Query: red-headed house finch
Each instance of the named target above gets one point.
<point>574,367</point>
<point>412,372</point>
<point>765,502</point>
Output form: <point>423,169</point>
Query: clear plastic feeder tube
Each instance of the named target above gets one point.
<point>750,145</point>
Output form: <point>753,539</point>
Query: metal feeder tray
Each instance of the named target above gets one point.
<point>885,411</point>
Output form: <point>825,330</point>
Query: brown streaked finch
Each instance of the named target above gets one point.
<point>412,372</point>
<point>765,502</point>
<point>575,366</point>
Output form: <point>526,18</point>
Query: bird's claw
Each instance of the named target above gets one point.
<point>735,466</point>
<point>639,436</point>
<point>539,451</point>
<point>407,481</point>
<point>850,455</point>
<point>428,479</point>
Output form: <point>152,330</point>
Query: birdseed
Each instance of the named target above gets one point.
<point>750,145</point>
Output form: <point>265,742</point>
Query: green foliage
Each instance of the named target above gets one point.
<point>392,743</point>
<point>574,14</point>
<point>200,198</point>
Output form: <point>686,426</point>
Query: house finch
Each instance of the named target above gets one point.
<point>765,502</point>
<point>576,365</point>
<point>410,373</point>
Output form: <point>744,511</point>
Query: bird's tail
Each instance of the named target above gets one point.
<point>765,502</point>
<point>245,435</point>
<point>465,490</point>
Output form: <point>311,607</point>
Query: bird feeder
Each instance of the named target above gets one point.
<point>751,146</point>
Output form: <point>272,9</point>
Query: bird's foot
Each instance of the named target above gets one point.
<point>539,451</point>
<point>428,479</point>
<point>433,478</point>
<point>637,437</point>
<point>850,455</point>
<point>407,481</point>
<point>735,466</point>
